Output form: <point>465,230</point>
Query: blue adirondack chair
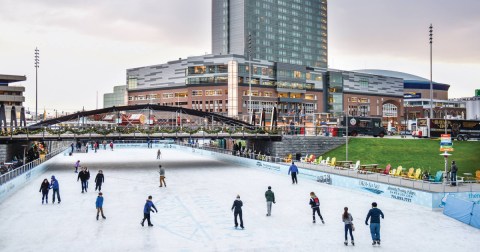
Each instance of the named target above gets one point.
<point>438,177</point>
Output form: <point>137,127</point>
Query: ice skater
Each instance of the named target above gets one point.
<point>315,204</point>
<point>88,175</point>
<point>294,170</point>
<point>159,154</point>
<point>111,145</point>
<point>44,188</point>
<point>162,175</point>
<point>270,196</point>
<point>99,179</point>
<point>99,205</point>
<point>347,220</point>
<point>237,211</point>
<point>146,211</point>
<point>56,189</point>
<point>82,176</point>
<point>77,164</point>
<point>374,214</point>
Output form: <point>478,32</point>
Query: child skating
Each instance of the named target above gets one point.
<point>315,204</point>
<point>99,205</point>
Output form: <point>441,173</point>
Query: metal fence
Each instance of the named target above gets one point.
<point>29,166</point>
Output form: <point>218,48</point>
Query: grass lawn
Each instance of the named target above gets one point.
<point>417,153</point>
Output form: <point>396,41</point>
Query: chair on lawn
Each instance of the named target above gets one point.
<point>288,158</point>
<point>355,166</point>
<point>409,173</point>
<point>438,177</point>
<point>326,161</point>
<point>333,162</point>
<point>304,159</point>
<point>477,176</point>
<point>311,159</point>
<point>416,175</point>
<point>386,171</point>
<point>392,172</point>
<point>398,172</point>
<point>318,160</point>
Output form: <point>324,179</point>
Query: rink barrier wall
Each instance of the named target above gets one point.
<point>464,211</point>
<point>11,186</point>
<point>427,199</point>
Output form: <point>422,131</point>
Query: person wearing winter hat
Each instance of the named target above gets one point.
<point>44,187</point>
<point>237,211</point>
<point>270,196</point>
<point>56,189</point>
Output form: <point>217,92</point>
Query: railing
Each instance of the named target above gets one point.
<point>29,166</point>
<point>444,187</point>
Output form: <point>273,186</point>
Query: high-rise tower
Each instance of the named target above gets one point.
<point>286,31</point>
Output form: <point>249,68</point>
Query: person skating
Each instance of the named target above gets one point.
<point>453,173</point>
<point>99,179</point>
<point>237,211</point>
<point>270,197</point>
<point>99,205</point>
<point>315,204</point>
<point>159,154</point>
<point>82,176</point>
<point>162,175</point>
<point>77,164</point>
<point>146,211</point>
<point>56,189</point>
<point>44,188</point>
<point>88,175</point>
<point>294,170</point>
<point>374,214</point>
<point>111,145</point>
<point>347,220</point>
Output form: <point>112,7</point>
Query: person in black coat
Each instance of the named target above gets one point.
<point>237,211</point>
<point>44,188</point>
<point>99,179</point>
<point>83,176</point>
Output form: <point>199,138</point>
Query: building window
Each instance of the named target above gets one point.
<point>216,92</point>
<point>197,93</point>
<point>167,95</point>
<point>310,97</point>
<point>389,110</point>
<point>181,95</point>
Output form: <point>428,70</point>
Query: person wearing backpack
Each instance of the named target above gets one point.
<point>315,204</point>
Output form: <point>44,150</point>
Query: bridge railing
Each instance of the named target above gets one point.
<point>28,166</point>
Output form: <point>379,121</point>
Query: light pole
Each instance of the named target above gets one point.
<point>37,65</point>
<point>250,77</point>
<point>431,81</point>
<point>446,155</point>
<point>346,142</point>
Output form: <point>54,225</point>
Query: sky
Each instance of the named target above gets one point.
<point>86,46</point>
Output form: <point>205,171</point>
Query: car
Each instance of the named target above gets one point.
<point>405,132</point>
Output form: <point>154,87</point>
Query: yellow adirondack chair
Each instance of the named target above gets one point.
<point>399,171</point>
<point>288,158</point>
<point>333,162</point>
<point>416,175</point>
<point>409,174</point>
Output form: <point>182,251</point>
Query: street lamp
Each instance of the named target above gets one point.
<point>37,65</point>
<point>431,81</point>
<point>250,76</point>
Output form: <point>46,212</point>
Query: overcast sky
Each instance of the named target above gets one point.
<point>86,46</point>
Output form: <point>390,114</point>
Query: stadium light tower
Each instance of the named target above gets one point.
<point>37,65</point>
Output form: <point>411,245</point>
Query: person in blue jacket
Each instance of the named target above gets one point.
<point>374,214</point>
<point>146,211</point>
<point>56,189</point>
<point>99,205</point>
<point>294,170</point>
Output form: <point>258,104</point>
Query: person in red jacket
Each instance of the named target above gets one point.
<point>315,204</point>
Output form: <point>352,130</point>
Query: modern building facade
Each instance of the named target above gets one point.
<point>220,84</point>
<point>284,31</point>
<point>117,98</point>
<point>11,97</point>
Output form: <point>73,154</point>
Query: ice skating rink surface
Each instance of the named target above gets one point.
<point>194,211</point>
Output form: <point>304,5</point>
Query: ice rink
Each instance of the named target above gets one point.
<point>194,211</point>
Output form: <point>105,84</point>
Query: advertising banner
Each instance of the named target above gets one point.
<point>446,143</point>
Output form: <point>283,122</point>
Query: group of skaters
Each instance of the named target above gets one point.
<point>93,145</point>
<point>373,215</point>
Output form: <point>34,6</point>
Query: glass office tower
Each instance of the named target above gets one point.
<point>285,31</point>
